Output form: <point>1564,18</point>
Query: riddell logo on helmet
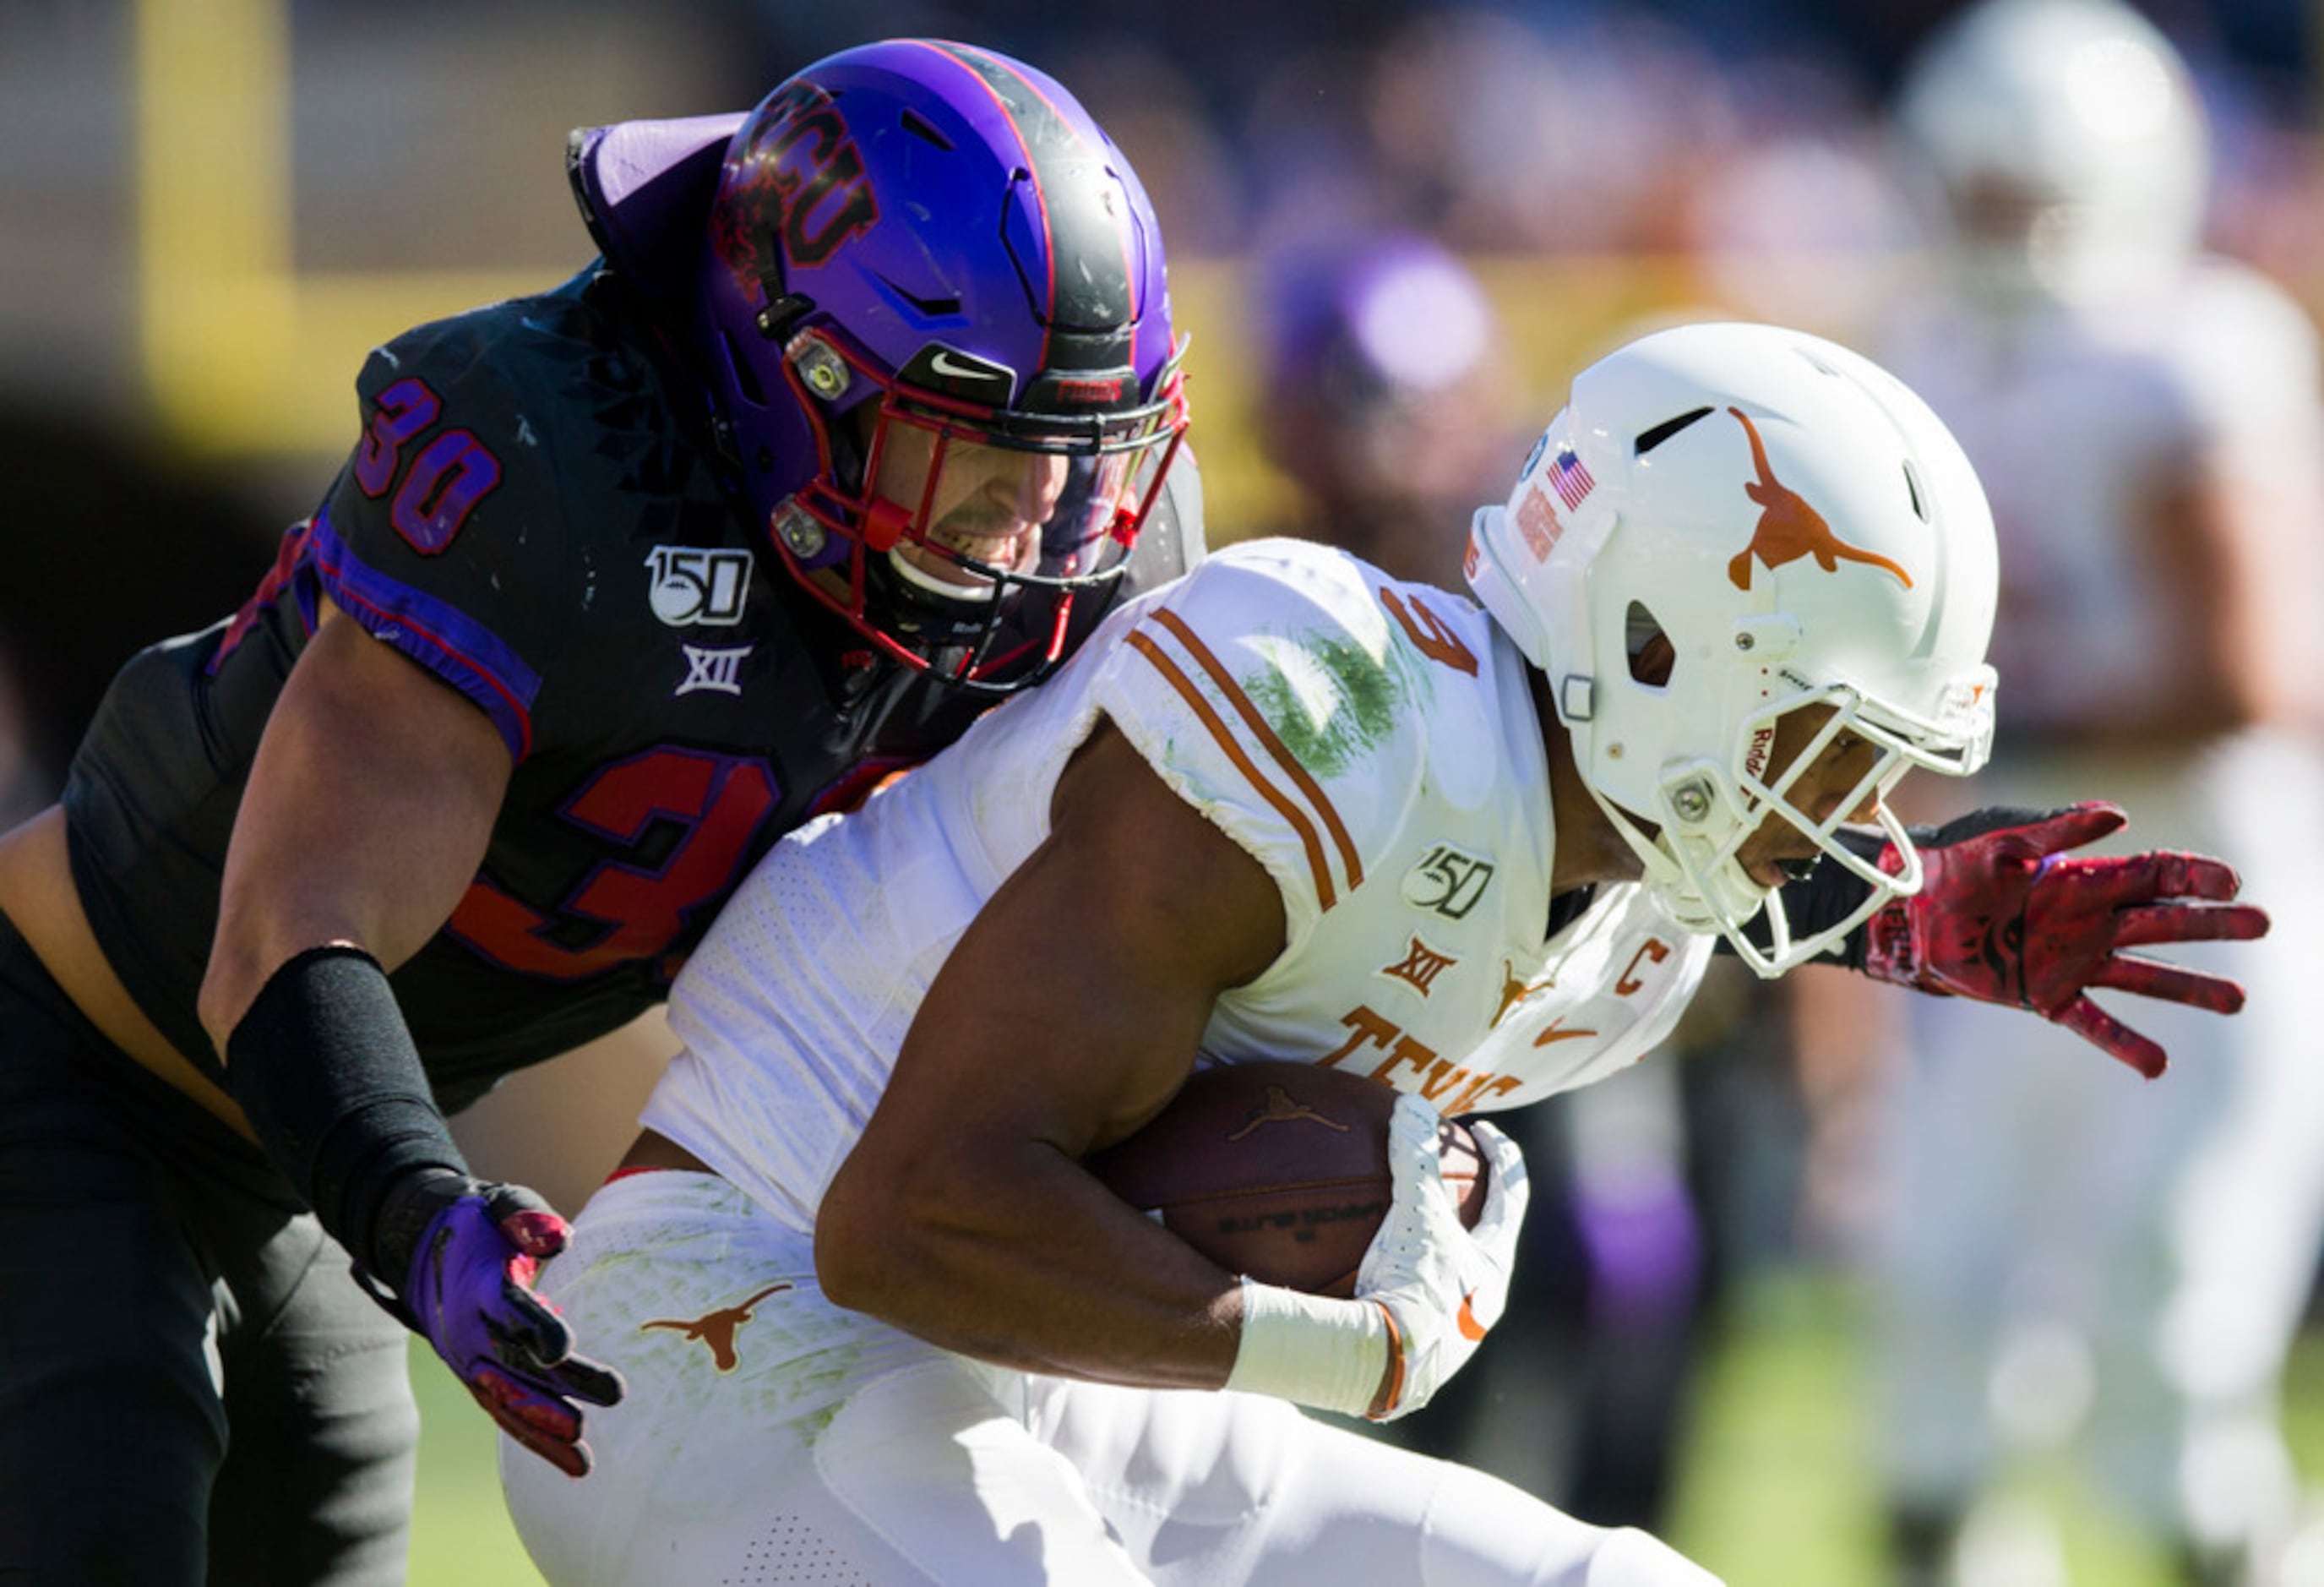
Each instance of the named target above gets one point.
<point>806,178</point>
<point>1754,758</point>
<point>1789,529</point>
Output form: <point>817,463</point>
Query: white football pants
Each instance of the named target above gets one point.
<point>770,1437</point>
<point>2167,1231</point>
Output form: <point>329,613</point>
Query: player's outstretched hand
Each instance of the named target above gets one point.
<point>1441,1285</point>
<point>468,1292</point>
<point>2005,915</point>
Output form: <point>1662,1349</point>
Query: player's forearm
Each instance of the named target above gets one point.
<point>1021,1258</point>
<point>367,812</point>
<point>328,1076</point>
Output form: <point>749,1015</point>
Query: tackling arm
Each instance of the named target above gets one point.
<point>368,813</point>
<point>1068,1014</point>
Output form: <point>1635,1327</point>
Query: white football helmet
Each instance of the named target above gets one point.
<point>2063,144</point>
<point>1803,532</point>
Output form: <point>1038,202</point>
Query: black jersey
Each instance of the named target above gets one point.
<point>530,516</point>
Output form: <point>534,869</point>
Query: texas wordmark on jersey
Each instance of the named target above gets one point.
<point>1374,744</point>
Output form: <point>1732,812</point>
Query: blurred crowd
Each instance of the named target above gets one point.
<point>2035,226</point>
<point>1576,127</point>
<point>1394,187</point>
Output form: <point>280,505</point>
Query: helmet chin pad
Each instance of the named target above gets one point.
<point>937,589</point>
<point>1705,816</point>
<point>1714,893</point>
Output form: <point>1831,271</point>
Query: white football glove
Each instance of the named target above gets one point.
<point>1442,1286</point>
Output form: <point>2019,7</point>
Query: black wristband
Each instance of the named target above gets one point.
<point>325,1069</point>
<point>1825,895</point>
<point>1832,892</point>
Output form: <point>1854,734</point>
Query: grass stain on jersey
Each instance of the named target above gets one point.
<point>1329,698</point>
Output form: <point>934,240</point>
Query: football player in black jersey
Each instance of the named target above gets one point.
<point>868,409</point>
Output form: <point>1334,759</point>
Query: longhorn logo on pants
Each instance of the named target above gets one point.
<point>716,1332</point>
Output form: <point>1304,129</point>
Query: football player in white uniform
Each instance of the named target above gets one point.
<point>2145,422</point>
<point>879,1322</point>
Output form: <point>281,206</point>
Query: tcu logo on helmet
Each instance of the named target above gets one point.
<point>805,178</point>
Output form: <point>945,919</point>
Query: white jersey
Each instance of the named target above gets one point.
<point>2077,417</point>
<point>1374,744</point>
<point>2169,1235</point>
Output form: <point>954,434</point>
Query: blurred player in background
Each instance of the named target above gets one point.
<point>2063,1247</point>
<point>866,413</point>
<point>1386,397</point>
<point>187,537</point>
<point>881,1322</point>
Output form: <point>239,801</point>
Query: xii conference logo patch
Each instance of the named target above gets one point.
<point>718,671</point>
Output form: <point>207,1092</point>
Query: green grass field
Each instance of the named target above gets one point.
<point>460,1531</point>
<point>1776,1490</point>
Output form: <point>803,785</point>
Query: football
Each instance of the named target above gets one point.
<point>1277,1170</point>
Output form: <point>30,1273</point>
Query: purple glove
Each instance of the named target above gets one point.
<point>469,1294</point>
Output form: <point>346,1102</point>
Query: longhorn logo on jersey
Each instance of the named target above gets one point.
<point>1788,527</point>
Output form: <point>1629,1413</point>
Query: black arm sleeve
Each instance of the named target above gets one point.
<point>325,1068</point>
<point>1827,894</point>
<point>1830,892</point>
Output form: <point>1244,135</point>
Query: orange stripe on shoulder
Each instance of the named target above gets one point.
<point>1276,747</point>
<point>1281,801</point>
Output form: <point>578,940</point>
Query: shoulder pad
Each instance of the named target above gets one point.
<point>645,189</point>
<point>1270,687</point>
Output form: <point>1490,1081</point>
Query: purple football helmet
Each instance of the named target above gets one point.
<point>936,328</point>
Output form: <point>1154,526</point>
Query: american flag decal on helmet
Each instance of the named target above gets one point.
<point>1569,478</point>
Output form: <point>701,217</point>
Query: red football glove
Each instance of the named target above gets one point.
<point>2003,917</point>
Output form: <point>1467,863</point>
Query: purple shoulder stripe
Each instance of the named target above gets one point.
<point>448,642</point>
